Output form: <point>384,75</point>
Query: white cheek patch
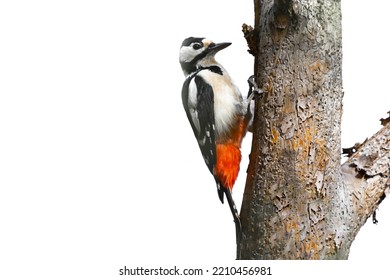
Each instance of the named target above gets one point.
<point>187,54</point>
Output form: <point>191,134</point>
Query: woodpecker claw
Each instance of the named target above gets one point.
<point>253,88</point>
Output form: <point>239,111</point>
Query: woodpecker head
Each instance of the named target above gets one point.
<point>195,52</point>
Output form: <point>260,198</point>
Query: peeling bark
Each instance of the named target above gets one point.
<point>366,175</point>
<point>299,201</point>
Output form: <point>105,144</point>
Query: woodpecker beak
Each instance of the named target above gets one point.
<point>214,48</point>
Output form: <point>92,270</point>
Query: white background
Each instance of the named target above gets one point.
<point>98,165</point>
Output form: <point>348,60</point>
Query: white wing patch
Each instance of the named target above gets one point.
<point>192,104</point>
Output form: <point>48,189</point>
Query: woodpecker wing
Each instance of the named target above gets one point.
<point>205,109</point>
<point>198,102</point>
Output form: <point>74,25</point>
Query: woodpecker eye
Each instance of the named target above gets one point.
<point>196,46</point>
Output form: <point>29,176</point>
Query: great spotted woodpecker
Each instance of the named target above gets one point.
<point>217,113</point>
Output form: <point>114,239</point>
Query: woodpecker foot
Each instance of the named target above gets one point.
<point>253,88</point>
<point>254,91</point>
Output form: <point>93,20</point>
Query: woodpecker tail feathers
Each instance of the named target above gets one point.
<point>221,192</point>
<point>232,207</point>
<point>237,221</point>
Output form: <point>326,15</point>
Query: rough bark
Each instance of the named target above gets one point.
<point>366,175</point>
<point>299,201</point>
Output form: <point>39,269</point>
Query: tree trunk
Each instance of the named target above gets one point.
<point>299,201</point>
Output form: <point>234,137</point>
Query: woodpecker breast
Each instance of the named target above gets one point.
<point>227,99</point>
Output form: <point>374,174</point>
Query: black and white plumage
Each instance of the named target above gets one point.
<point>210,98</point>
<point>217,113</point>
<point>200,114</point>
